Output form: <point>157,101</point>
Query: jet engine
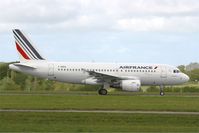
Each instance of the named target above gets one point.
<point>130,85</point>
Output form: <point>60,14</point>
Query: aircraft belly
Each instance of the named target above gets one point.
<point>150,80</point>
<point>71,77</point>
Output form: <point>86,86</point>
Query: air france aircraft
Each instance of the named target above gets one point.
<point>126,76</point>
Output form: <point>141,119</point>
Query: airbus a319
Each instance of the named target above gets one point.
<point>126,76</point>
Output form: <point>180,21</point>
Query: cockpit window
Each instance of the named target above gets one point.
<point>176,71</point>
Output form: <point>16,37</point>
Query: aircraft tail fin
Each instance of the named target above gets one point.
<point>25,48</point>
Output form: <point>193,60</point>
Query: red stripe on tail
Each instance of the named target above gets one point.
<point>22,52</point>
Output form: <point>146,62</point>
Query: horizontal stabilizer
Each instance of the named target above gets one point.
<point>25,65</point>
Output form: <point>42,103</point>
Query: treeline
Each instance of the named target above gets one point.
<point>192,73</point>
<point>11,80</point>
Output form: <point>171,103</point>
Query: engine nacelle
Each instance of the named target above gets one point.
<point>130,85</point>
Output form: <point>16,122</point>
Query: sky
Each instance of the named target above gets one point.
<point>133,31</point>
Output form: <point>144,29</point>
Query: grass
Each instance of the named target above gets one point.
<point>96,122</point>
<point>90,102</point>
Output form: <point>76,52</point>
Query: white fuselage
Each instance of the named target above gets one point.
<point>71,72</point>
<point>127,76</point>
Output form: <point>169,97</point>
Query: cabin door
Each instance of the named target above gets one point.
<point>50,69</point>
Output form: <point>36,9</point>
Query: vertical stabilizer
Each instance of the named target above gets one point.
<point>26,50</point>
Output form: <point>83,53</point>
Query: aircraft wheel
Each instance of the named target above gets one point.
<point>161,90</point>
<point>161,93</point>
<point>102,92</point>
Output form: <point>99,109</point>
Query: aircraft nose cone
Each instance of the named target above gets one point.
<point>186,78</point>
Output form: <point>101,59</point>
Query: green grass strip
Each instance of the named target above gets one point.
<point>96,122</point>
<point>95,102</point>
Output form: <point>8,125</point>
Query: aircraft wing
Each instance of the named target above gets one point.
<point>108,77</point>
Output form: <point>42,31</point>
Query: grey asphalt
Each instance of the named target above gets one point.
<point>101,111</point>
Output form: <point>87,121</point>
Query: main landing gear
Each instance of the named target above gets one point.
<point>103,89</point>
<point>162,90</point>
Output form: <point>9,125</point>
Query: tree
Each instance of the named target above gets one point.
<point>8,84</point>
<point>3,70</point>
<point>194,74</point>
<point>182,68</point>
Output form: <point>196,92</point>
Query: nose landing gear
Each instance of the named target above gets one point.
<point>162,90</point>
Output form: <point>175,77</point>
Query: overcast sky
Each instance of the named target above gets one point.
<point>136,31</point>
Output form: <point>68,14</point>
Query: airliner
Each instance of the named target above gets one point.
<point>125,76</point>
